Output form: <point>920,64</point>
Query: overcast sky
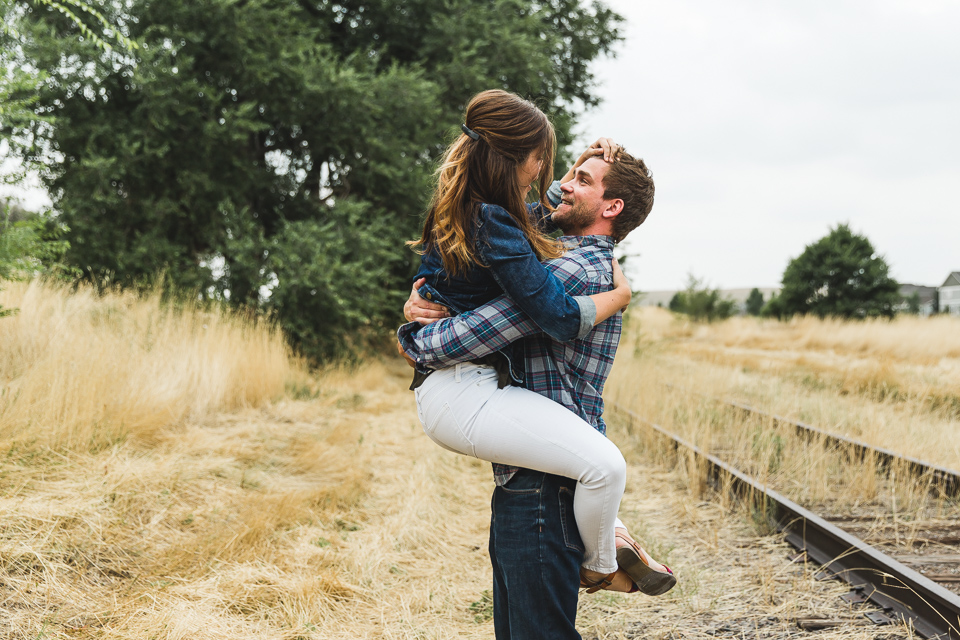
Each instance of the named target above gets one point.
<point>766,123</point>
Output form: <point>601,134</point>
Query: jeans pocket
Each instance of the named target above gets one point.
<point>571,533</point>
<point>524,481</point>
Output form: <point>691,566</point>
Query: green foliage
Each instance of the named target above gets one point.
<point>913,303</point>
<point>702,303</point>
<point>31,244</point>
<point>330,277</point>
<point>773,308</point>
<point>20,107</point>
<point>839,275</point>
<point>754,303</point>
<point>235,129</point>
<point>677,302</point>
<point>482,609</point>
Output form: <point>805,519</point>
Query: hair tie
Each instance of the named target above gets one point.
<point>470,132</point>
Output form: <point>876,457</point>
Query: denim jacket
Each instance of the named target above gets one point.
<point>509,265</point>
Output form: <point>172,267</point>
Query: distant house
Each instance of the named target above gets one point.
<point>950,294</point>
<point>927,298</point>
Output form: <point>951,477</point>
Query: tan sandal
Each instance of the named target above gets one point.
<point>593,586</point>
<point>631,558</point>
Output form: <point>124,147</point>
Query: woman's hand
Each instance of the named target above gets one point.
<point>604,148</point>
<point>621,285</point>
<point>416,309</point>
<point>617,299</point>
<point>403,353</point>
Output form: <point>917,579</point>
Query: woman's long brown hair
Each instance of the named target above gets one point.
<point>485,171</point>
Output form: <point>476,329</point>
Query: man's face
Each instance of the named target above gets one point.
<point>582,199</point>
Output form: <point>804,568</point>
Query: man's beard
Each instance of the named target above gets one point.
<point>576,220</point>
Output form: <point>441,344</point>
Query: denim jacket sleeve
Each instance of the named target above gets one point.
<point>504,248</point>
<point>541,215</point>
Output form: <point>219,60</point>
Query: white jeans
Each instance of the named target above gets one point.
<point>462,410</point>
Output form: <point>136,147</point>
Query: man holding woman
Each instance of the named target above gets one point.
<point>535,547</point>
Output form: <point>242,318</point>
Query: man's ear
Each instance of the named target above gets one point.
<point>612,209</point>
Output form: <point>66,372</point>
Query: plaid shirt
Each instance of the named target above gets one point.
<point>569,373</point>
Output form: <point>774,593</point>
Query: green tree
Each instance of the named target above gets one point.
<point>839,275</point>
<point>773,308</point>
<point>702,303</point>
<point>31,245</point>
<point>19,83</point>
<point>754,303</point>
<point>236,126</point>
<point>677,302</point>
<point>913,303</point>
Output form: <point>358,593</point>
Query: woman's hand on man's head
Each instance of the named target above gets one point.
<point>604,148</point>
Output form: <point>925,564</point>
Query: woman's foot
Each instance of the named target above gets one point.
<point>617,581</point>
<point>594,580</point>
<point>651,577</point>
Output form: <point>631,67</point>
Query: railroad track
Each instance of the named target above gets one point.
<point>900,593</point>
<point>941,480</point>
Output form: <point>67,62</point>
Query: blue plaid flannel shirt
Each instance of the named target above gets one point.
<point>570,373</point>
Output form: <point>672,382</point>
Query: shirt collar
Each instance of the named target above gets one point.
<point>574,242</point>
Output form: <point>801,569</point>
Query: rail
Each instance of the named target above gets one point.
<point>900,592</point>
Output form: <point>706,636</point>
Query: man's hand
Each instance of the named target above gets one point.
<point>416,309</point>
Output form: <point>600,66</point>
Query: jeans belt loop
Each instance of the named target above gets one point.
<point>457,376</point>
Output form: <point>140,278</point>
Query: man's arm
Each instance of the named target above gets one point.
<point>486,329</point>
<point>469,335</point>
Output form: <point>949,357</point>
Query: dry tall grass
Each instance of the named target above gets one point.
<point>668,370</point>
<point>154,484</point>
<point>910,339</point>
<point>79,370</point>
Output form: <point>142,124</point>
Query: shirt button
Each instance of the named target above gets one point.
<point>429,296</point>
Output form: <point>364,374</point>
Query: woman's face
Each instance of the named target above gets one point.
<point>527,172</point>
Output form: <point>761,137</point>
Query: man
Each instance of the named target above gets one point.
<point>535,547</point>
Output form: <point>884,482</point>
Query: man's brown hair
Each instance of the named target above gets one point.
<point>629,180</point>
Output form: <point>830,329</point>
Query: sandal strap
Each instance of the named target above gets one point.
<point>596,585</point>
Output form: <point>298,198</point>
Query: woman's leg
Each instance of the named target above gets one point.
<point>466,413</point>
<point>448,398</point>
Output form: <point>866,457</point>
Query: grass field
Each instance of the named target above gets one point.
<point>176,474</point>
<point>879,382</point>
<point>891,384</point>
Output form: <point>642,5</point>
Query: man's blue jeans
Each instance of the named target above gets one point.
<point>536,552</point>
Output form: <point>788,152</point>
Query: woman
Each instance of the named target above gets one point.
<point>479,241</point>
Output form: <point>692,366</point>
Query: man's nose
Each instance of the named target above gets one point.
<point>567,187</point>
